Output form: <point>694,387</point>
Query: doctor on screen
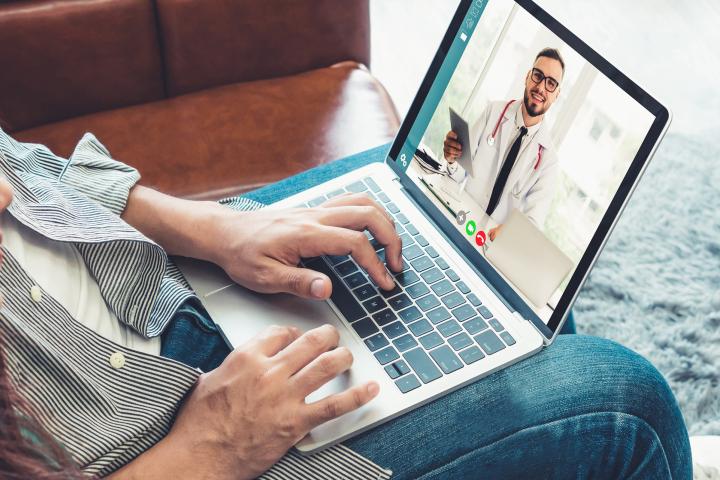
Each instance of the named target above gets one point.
<point>514,163</point>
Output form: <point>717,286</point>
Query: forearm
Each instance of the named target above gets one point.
<point>182,227</point>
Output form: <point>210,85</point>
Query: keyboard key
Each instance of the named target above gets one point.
<point>399,229</point>
<point>421,327</point>
<point>411,229</point>
<point>489,342</point>
<point>417,290</point>
<point>442,288</point>
<point>474,300</point>
<point>383,197</point>
<point>422,241</point>
<point>386,355</point>
<point>453,300</point>
<point>431,340</point>
<point>392,371</point>
<point>406,240</point>
<point>432,252</point>
<point>341,296</point>
<point>317,201</point>
<point>345,269</point>
<point>401,367</point>
<point>406,342</point>
<point>463,312</point>
<point>497,326</point>
<point>410,314</point>
<point>335,193</point>
<point>374,304</point>
<point>422,365</point>
<point>471,355</point>
<point>446,359</point>
<point>475,325</point>
<point>485,312</point>
<point>460,341</point>
<point>384,317</point>
<point>337,259</point>
<point>356,187</point>
<point>462,286</point>
<point>449,328</point>
<point>365,327</point>
<point>395,330</point>
<point>392,208</point>
<point>508,338</point>
<point>364,292</point>
<point>407,383</point>
<point>442,263</point>
<point>371,183</point>
<point>355,280</point>
<point>452,275</point>
<point>421,264</point>
<point>402,218</point>
<point>391,293</point>
<point>381,255</point>
<point>428,302</point>
<point>376,342</point>
<point>407,277</point>
<point>438,315</point>
<point>431,276</point>
<point>399,302</point>
<point>411,252</point>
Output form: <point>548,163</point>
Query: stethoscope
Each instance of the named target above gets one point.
<point>491,137</point>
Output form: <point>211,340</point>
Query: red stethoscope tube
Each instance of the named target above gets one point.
<point>491,138</point>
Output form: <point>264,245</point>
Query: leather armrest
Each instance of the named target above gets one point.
<point>217,42</point>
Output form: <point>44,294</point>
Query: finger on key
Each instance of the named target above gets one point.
<point>369,218</point>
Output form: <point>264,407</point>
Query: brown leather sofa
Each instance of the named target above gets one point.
<point>207,98</point>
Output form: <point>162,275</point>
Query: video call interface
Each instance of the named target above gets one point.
<point>523,144</point>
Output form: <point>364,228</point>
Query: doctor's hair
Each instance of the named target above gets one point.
<point>553,53</point>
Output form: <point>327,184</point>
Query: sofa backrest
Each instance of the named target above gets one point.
<point>216,42</point>
<point>64,58</point>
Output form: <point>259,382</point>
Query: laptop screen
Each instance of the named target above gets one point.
<point>526,143</point>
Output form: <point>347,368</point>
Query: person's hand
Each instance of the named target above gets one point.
<point>261,250</point>
<point>245,415</point>
<point>494,232</point>
<point>452,148</point>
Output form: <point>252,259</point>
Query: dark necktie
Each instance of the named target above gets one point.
<point>502,177</point>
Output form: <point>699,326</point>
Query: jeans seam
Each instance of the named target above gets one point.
<point>439,468</point>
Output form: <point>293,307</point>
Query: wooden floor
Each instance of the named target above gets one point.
<point>669,47</point>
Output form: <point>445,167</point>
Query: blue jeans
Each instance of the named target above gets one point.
<point>584,407</point>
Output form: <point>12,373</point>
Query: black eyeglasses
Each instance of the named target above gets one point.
<point>538,76</point>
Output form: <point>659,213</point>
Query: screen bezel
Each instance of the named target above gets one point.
<point>475,259</point>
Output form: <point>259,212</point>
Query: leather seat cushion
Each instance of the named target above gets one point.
<point>227,140</point>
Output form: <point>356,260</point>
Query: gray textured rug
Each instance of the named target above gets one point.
<point>656,286</point>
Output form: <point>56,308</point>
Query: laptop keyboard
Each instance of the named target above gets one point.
<point>430,324</point>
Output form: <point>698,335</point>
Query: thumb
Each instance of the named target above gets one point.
<point>303,282</point>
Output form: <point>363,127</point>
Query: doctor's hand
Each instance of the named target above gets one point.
<point>452,148</point>
<point>494,232</point>
<point>261,250</point>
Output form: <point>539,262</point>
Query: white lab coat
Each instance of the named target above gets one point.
<point>529,190</point>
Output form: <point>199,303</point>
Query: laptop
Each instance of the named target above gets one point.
<point>452,317</point>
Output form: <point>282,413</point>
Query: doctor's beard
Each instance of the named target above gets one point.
<point>533,110</point>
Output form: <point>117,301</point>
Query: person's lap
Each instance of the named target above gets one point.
<point>579,405</point>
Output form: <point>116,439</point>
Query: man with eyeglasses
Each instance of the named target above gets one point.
<point>514,162</point>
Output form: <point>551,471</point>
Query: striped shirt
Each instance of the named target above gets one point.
<point>105,403</point>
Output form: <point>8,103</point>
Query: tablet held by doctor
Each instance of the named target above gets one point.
<point>514,163</point>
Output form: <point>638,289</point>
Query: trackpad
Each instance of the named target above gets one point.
<point>242,314</point>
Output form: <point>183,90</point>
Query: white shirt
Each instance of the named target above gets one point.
<point>60,271</point>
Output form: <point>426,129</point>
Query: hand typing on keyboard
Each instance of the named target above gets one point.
<point>261,250</point>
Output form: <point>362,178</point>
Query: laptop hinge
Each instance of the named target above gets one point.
<point>532,324</point>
